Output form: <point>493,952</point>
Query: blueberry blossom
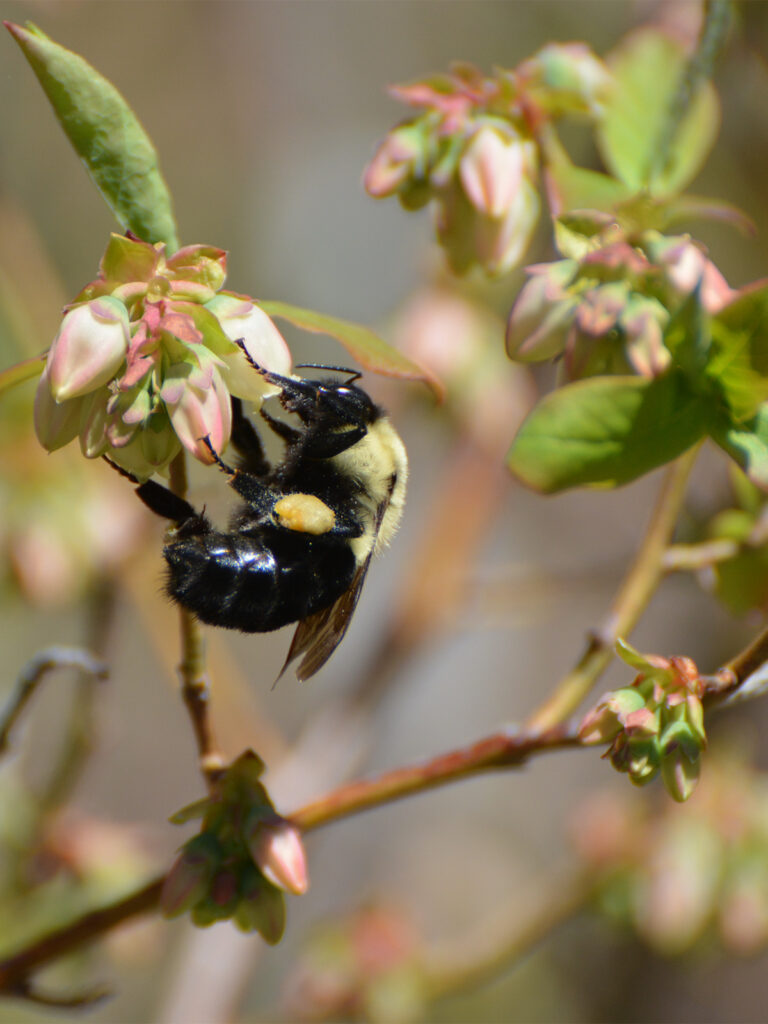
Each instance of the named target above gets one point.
<point>656,724</point>
<point>473,150</point>
<point>605,306</point>
<point>243,859</point>
<point>147,357</point>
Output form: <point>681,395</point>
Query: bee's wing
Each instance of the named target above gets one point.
<point>318,636</point>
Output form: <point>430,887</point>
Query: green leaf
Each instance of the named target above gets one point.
<point>747,444</point>
<point>687,336</point>
<point>631,656</point>
<point>371,351</point>
<point>20,372</point>
<point>105,134</point>
<point>606,431</point>
<point>741,582</point>
<point>739,357</point>
<point>648,67</point>
<point>578,188</point>
<point>575,188</point>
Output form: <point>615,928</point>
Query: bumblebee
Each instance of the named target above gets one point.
<point>299,547</point>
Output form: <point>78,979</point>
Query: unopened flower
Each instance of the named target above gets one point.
<point>249,326</point>
<point>88,349</point>
<point>567,77</point>
<point>399,157</point>
<point>278,852</point>
<point>148,355</point>
<point>606,306</point>
<point>656,724</point>
<point>242,860</point>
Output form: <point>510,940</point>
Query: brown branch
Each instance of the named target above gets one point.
<point>195,685</point>
<point>501,750</point>
<point>634,594</point>
<point>15,971</point>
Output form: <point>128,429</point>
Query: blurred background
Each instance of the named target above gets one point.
<point>265,115</point>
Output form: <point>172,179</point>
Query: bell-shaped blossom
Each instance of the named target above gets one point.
<point>56,423</point>
<point>88,349</point>
<point>397,158</point>
<point>199,414</point>
<point>492,168</point>
<point>252,330</point>
<point>567,77</point>
<point>539,321</point>
<point>278,852</point>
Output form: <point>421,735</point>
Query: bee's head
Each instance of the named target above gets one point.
<point>326,403</point>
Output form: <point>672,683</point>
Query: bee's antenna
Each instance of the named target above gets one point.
<point>353,374</point>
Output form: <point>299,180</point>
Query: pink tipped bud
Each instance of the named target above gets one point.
<point>393,162</point>
<point>187,881</point>
<point>542,314</point>
<point>89,348</point>
<point>243,321</point>
<point>491,170</point>
<point>56,423</point>
<point>608,717</point>
<point>278,852</point>
<point>199,413</point>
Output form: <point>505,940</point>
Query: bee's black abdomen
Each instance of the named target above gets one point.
<point>256,583</point>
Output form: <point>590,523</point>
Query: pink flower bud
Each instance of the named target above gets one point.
<point>89,348</point>
<point>606,720</point>
<point>56,423</point>
<point>278,852</point>
<point>500,244</point>
<point>491,169</point>
<point>197,413</point>
<point>567,77</point>
<point>243,321</point>
<point>539,320</point>
<point>393,161</point>
<point>687,267</point>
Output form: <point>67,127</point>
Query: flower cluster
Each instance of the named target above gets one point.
<point>605,307</point>
<point>473,150</point>
<point>242,860</point>
<point>656,724</point>
<point>148,354</point>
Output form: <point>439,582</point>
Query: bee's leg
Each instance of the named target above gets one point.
<point>247,485</point>
<point>283,430</point>
<point>247,443</point>
<point>334,442</point>
<point>159,499</point>
<point>296,395</point>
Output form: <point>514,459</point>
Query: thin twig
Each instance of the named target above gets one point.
<point>79,739</point>
<point>16,970</point>
<point>695,557</point>
<point>32,675</point>
<point>195,684</point>
<point>635,592</point>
